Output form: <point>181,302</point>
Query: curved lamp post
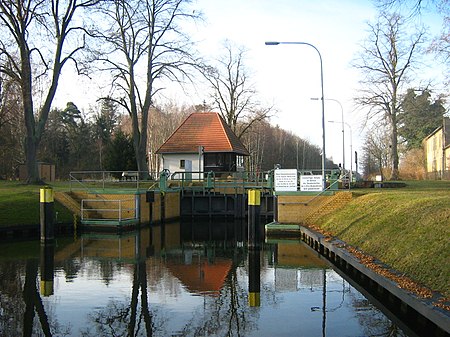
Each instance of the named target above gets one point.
<point>351,149</point>
<point>342,123</point>
<point>275,43</point>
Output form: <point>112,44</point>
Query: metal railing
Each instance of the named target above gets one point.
<point>205,181</point>
<point>92,180</point>
<point>334,183</point>
<point>107,210</point>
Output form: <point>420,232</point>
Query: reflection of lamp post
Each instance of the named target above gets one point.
<point>351,149</point>
<point>342,122</point>
<point>272,43</point>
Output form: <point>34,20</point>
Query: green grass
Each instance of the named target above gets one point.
<point>406,228</point>
<point>19,204</point>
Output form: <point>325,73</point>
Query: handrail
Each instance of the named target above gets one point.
<point>317,195</point>
<point>198,180</point>
<point>209,180</point>
<point>119,210</point>
<point>104,179</point>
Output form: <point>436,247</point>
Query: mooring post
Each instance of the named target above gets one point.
<point>150,198</point>
<point>209,180</point>
<point>137,207</point>
<point>254,205</point>
<point>163,180</point>
<point>254,278</point>
<point>46,214</point>
<point>47,268</point>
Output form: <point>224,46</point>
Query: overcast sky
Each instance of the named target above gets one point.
<point>287,76</point>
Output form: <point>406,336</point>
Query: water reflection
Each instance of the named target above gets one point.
<point>190,279</point>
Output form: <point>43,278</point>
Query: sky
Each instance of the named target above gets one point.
<point>288,76</point>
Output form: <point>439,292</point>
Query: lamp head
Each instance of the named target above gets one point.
<point>271,43</point>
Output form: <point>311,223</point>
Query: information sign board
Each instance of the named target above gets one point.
<point>311,183</point>
<point>285,180</point>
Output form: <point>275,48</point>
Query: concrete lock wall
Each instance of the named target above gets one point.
<point>172,207</point>
<point>99,206</point>
<point>108,202</point>
<point>304,209</point>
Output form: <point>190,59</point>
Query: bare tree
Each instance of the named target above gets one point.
<point>386,60</point>
<point>233,94</point>
<point>376,151</point>
<point>162,122</point>
<point>440,45</point>
<point>142,45</point>
<point>11,127</point>
<point>34,48</point>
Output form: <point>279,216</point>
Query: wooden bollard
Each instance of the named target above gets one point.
<point>254,210</point>
<point>46,214</point>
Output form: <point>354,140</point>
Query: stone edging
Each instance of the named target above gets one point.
<point>334,251</point>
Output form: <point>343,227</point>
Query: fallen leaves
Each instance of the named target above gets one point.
<point>402,281</point>
<point>442,303</point>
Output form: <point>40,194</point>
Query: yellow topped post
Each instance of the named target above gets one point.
<point>46,194</point>
<point>254,278</point>
<point>46,214</point>
<point>254,197</point>
<point>254,205</point>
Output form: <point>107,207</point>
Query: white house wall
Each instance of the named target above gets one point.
<point>172,163</point>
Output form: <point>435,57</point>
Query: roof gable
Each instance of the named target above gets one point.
<point>206,129</point>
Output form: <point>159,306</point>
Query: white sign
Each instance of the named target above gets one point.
<point>285,180</point>
<point>311,183</point>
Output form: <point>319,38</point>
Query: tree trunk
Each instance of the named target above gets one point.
<point>31,161</point>
<point>32,140</point>
<point>394,141</point>
<point>394,150</point>
<point>141,157</point>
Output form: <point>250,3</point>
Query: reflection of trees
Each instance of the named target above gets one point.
<point>71,268</point>
<point>123,319</point>
<point>34,305</point>
<point>373,321</point>
<point>11,305</point>
<point>21,303</point>
<point>119,319</point>
<point>33,301</point>
<point>107,271</point>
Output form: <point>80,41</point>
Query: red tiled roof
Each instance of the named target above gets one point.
<point>206,129</point>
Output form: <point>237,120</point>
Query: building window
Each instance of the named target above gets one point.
<point>182,164</point>
<point>240,161</point>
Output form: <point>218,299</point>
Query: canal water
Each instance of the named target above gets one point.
<point>188,279</point>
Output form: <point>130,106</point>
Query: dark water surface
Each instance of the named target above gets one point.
<point>193,279</point>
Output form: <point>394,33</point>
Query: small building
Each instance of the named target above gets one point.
<point>437,152</point>
<point>46,172</point>
<point>203,143</point>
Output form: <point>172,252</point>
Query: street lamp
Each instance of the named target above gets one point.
<point>351,150</point>
<point>342,122</point>
<point>274,43</point>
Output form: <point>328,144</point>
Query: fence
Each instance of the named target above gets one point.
<point>108,210</point>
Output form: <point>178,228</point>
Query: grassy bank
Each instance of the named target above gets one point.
<point>406,228</point>
<point>19,204</point>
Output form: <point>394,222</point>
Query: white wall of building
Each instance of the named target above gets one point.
<point>172,162</point>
